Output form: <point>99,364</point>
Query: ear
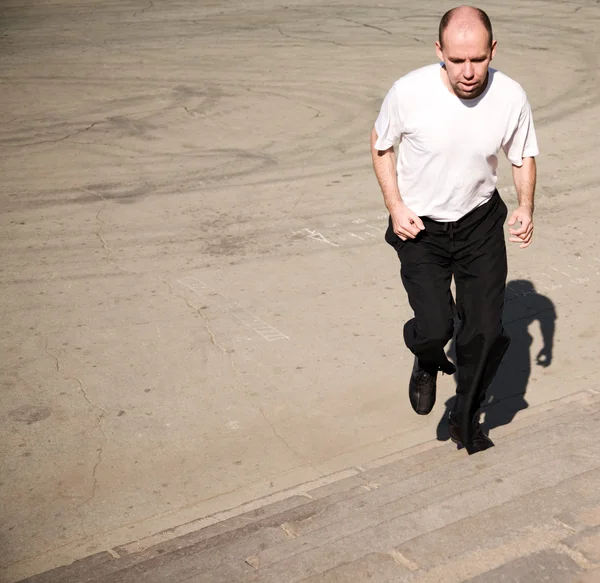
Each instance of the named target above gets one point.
<point>438,51</point>
<point>494,45</point>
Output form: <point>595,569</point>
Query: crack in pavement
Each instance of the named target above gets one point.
<point>108,255</point>
<point>207,327</point>
<point>367,25</point>
<point>150,5</point>
<point>88,128</point>
<point>55,141</point>
<point>287,445</point>
<point>237,373</point>
<point>319,112</point>
<point>102,414</point>
<point>320,40</point>
<point>213,339</point>
<point>189,112</point>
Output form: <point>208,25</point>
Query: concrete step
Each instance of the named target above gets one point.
<point>381,533</point>
<point>407,487</point>
<point>497,536</point>
<point>371,522</point>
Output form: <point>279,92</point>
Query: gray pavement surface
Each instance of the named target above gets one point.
<point>525,511</point>
<point>199,312</point>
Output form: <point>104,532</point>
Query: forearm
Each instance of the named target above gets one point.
<point>384,164</point>
<point>525,178</point>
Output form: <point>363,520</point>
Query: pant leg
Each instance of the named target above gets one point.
<point>480,271</point>
<point>426,275</point>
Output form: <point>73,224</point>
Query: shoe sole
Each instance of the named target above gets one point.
<point>471,448</point>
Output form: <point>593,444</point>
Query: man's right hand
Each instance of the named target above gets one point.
<point>407,225</point>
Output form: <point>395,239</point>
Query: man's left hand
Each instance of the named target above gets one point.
<point>524,233</point>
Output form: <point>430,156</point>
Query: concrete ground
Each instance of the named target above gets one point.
<point>527,511</point>
<point>198,306</point>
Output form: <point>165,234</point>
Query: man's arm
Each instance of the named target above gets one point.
<point>407,224</point>
<point>524,178</point>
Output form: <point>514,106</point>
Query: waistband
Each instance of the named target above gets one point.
<point>481,210</point>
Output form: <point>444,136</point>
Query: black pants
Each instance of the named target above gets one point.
<point>473,251</point>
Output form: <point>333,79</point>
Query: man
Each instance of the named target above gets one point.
<point>446,216</point>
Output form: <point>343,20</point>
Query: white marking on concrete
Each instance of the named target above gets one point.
<point>400,559</point>
<point>558,271</point>
<point>340,230</point>
<point>194,284</point>
<point>289,530</point>
<point>253,561</point>
<point>312,234</point>
<point>269,333</point>
<point>258,325</point>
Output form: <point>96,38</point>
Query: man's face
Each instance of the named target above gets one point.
<point>466,55</point>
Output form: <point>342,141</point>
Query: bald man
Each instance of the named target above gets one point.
<point>450,121</point>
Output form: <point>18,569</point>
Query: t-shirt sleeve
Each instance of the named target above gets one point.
<point>388,124</point>
<point>522,143</point>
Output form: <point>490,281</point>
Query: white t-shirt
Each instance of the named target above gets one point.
<point>448,152</point>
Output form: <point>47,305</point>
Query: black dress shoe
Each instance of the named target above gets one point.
<point>422,388</point>
<point>479,440</point>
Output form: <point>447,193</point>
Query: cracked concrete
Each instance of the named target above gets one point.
<point>101,415</point>
<point>310,39</point>
<point>246,171</point>
<point>282,96</point>
<point>99,233</point>
<point>287,445</point>
<point>150,5</point>
<point>74,378</point>
<point>367,25</point>
<point>201,313</point>
<point>54,140</point>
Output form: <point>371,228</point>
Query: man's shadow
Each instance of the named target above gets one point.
<point>506,395</point>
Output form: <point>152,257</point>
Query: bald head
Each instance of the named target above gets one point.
<point>465,49</point>
<point>465,19</point>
